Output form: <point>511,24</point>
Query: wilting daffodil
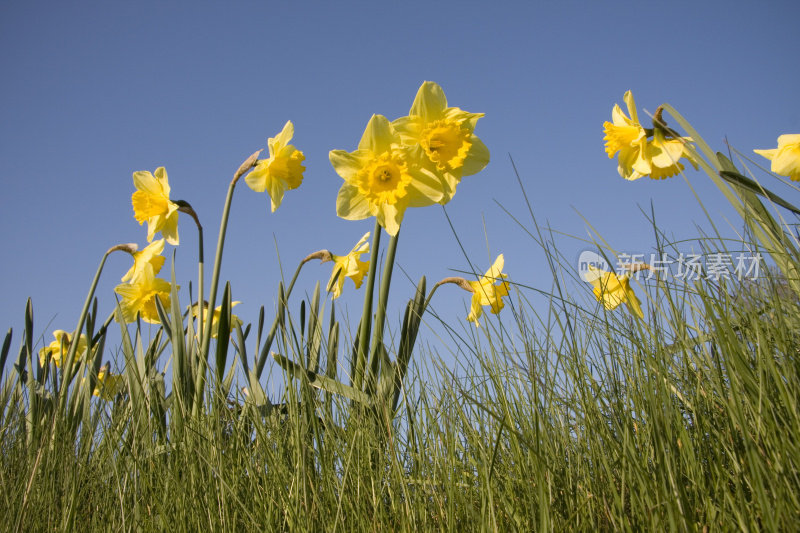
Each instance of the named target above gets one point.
<point>485,292</point>
<point>59,348</point>
<point>445,134</point>
<point>612,290</point>
<point>150,255</point>
<point>234,322</point>
<point>283,170</point>
<point>151,203</point>
<point>108,384</point>
<point>382,178</point>
<point>638,156</point>
<point>140,296</point>
<point>349,266</point>
<point>786,157</point>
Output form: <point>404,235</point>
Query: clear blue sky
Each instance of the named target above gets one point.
<point>93,91</point>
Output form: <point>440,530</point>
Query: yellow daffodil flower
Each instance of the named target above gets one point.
<point>638,156</point>
<point>140,296</point>
<point>786,157</point>
<point>59,348</point>
<point>235,321</point>
<point>663,154</point>
<point>626,136</point>
<point>612,290</point>
<point>283,170</point>
<point>485,292</point>
<point>108,384</point>
<point>349,266</point>
<point>445,134</point>
<point>150,255</point>
<point>151,203</point>
<point>382,178</point>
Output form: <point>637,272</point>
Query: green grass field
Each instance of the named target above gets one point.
<point>582,416</point>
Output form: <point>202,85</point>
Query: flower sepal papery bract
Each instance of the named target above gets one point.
<point>640,156</point>
<point>283,169</point>
<point>383,178</point>
<point>445,135</point>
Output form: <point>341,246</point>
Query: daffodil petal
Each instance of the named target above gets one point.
<point>477,158</point>
<point>286,134</point>
<point>430,102</point>
<point>351,205</point>
<point>379,135</point>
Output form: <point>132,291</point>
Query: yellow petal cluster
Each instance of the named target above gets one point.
<point>612,290</point>
<point>59,348</point>
<point>139,296</point>
<point>445,135</point>
<point>382,178</point>
<point>485,292</point>
<point>108,385</point>
<point>349,266</point>
<point>281,171</point>
<point>151,203</point>
<point>151,255</point>
<point>786,157</point>
<point>414,161</point>
<point>234,322</point>
<point>639,156</point>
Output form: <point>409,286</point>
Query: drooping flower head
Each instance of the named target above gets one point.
<point>281,171</point>
<point>151,203</point>
<point>349,266</point>
<point>445,135</point>
<point>612,290</point>
<point>638,156</point>
<point>662,155</point>
<point>382,178</point>
<point>234,322</point>
<point>139,297</point>
<point>485,292</point>
<point>59,348</point>
<point>786,157</point>
<point>150,255</point>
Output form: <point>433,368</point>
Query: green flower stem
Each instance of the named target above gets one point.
<point>262,358</point>
<point>366,313</point>
<point>380,316</point>
<point>223,226</point>
<point>186,208</point>
<point>73,348</point>
<point>67,373</point>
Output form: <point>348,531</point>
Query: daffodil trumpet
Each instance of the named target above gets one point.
<point>654,152</point>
